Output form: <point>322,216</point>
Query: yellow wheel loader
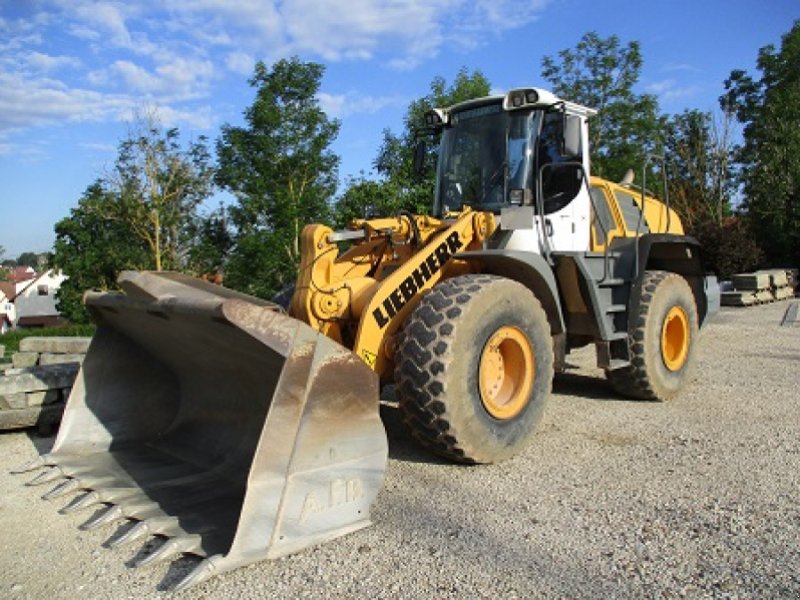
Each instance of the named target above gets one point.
<point>240,430</point>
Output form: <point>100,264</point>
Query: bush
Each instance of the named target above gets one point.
<point>728,248</point>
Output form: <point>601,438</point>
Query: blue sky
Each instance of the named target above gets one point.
<point>73,72</point>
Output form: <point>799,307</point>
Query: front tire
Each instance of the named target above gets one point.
<point>475,368</point>
<point>663,338</point>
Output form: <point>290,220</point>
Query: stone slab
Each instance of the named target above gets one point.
<point>45,417</point>
<point>23,360</point>
<point>738,298</point>
<point>48,358</point>
<point>778,278</point>
<point>37,379</point>
<point>43,397</point>
<point>751,281</point>
<point>16,400</point>
<point>56,345</point>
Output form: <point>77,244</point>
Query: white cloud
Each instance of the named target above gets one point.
<point>669,89</point>
<point>240,63</point>
<point>46,62</point>
<point>26,102</point>
<point>339,106</point>
<point>170,52</point>
<point>399,34</point>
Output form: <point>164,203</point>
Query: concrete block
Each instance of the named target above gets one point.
<point>56,345</point>
<point>23,360</point>
<point>16,400</point>
<point>48,358</point>
<point>751,281</point>
<point>36,379</point>
<point>43,397</point>
<point>738,298</point>
<point>45,417</point>
<point>778,278</point>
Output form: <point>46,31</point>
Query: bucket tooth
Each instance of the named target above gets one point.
<point>62,489</point>
<point>112,514</point>
<point>85,501</point>
<point>47,476</point>
<point>36,463</point>
<point>136,532</point>
<point>205,570</point>
<point>171,547</point>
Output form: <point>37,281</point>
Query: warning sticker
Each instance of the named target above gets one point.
<point>369,358</point>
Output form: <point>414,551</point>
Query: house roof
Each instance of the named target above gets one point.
<point>22,273</point>
<point>8,289</point>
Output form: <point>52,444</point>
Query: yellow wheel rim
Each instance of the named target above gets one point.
<point>675,338</point>
<point>506,373</point>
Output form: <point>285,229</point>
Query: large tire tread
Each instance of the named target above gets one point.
<point>642,378</point>
<point>424,357</point>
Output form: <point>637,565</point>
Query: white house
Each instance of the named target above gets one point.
<point>29,300</point>
<point>36,301</point>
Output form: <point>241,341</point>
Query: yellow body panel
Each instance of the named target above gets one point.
<point>361,297</point>
<point>656,215</point>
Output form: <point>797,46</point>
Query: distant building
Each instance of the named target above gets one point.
<point>29,300</point>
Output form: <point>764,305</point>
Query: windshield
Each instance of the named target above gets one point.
<point>484,154</point>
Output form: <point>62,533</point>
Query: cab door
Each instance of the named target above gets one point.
<point>564,193</point>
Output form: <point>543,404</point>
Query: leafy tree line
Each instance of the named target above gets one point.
<point>280,169</point>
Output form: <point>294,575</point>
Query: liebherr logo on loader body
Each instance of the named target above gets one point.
<point>400,296</point>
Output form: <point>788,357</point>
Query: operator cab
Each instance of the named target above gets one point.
<point>521,153</point>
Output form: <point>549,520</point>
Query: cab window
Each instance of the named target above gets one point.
<point>560,182</point>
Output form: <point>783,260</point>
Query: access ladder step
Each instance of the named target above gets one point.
<point>616,308</point>
<point>618,363</point>
<point>611,282</point>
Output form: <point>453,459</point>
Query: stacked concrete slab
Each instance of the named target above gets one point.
<point>747,289</point>
<point>36,384</point>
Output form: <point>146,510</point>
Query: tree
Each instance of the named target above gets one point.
<point>395,160</point>
<point>281,170</point>
<point>366,198</point>
<point>699,165</point>
<point>601,74</point>
<point>28,259</point>
<point>769,159</point>
<point>157,187</point>
<point>212,242</point>
<point>92,250</point>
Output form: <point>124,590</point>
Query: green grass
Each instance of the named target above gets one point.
<point>11,339</point>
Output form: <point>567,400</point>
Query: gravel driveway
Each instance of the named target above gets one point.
<point>696,497</point>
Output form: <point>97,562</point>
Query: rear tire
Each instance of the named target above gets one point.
<point>663,337</point>
<point>475,368</point>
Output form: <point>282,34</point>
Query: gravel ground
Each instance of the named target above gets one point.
<point>613,499</point>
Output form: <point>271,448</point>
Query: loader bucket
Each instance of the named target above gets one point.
<point>217,421</point>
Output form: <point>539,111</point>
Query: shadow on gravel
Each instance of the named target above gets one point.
<point>585,386</point>
<point>43,444</point>
<point>401,445</point>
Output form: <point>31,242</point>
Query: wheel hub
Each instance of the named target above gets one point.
<point>675,338</point>
<point>506,373</point>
